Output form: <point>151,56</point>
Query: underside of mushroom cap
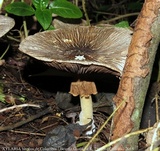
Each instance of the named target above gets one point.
<point>81,49</point>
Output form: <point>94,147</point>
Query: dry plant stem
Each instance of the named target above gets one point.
<point>19,106</point>
<point>154,134</point>
<point>121,16</point>
<point>158,79</point>
<point>76,2</point>
<point>25,28</point>
<point>22,132</point>
<point>25,25</point>
<point>18,124</point>
<point>124,137</point>
<point>157,108</point>
<point>137,72</point>
<point>85,11</point>
<point>12,38</point>
<point>101,128</point>
<point>5,52</point>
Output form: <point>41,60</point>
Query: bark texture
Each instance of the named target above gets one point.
<point>137,72</point>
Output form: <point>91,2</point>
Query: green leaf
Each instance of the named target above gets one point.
<point>2,98</point>
<point>51,27</point>
<point>123,24</point>
<point>65,9</point>
<point>44,17</point>
<point>40,4</point>
<point>20,9</point>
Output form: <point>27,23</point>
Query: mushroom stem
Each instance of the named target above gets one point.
<point>86,114</point>
<point>84,89</point>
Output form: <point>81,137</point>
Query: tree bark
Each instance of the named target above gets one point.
<point>136,75</point>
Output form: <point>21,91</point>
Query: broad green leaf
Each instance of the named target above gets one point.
<point>123,24</point>
<point>44,17</point>
<point>40,4</point>
<point>20,9</point>
<point>65,9</point>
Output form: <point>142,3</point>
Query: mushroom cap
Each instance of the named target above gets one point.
<point>6,23</point>
<point>81,49</point>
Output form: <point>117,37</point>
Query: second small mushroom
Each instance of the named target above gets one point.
<point>81,50</point>
<point>6,23</point>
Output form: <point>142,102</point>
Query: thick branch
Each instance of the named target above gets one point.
<point>136,76</point>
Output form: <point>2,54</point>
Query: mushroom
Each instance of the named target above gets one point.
<point>81,50</point>
<point>6,23</point>
<point>85,89</point>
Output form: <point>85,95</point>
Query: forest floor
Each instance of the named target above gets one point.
<point>25,81</point>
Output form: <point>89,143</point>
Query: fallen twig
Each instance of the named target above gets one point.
<point>124,137</point>
<point>19,106</point>
<point>31,118</point>
<point>22,132</point>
